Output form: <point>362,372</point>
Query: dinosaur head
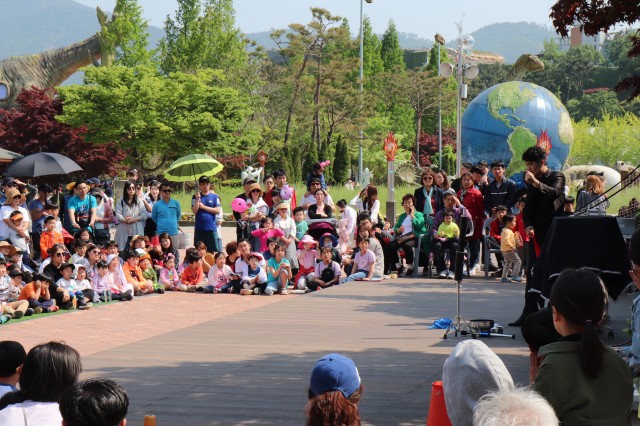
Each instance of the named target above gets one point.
<point>533,63</point>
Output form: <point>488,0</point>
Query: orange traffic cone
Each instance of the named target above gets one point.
<point>437,408</point>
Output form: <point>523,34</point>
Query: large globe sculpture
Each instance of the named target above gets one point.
<point>506,119</point>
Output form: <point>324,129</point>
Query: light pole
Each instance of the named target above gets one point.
<point>361,136</point>
<point>470,71</point>
<point>440,40</point>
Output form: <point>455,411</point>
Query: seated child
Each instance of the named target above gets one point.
<point>100,283</point>
<point>119,287</point>
<point>133,274</point>
<point>79,249</point>
<point>253,275</point>
<point>10,288</point>
<point>278,272</point>
<point>307,255</point>
<point>364,262</point>
<point>301,224</point>
<point>49,236</point>
<point>327,272</point>
<point>288,227</point>
<point>84,284</point>
<point>149,273</point>
<point>37,294</point>
<point>69,285</point>
<point>266,231</point>
<point>12,356</point>
<point>169,277</point>
<point>330,241</point>
<point>271,243</point>
<point>219,277</point>
<point>448,229</point>
<point>508,246</point>
<point>192,275</point>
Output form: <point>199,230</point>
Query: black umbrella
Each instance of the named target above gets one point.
<point>42,164</point>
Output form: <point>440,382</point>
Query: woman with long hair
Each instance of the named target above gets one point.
<point>442,180</point>
<point>131,215</point>
<point>471,198</point>
<point>149,199</point>
<point>48,370</point>
<point>429,197</point>
<point>367,200</point>
<point>335,389</point>
<point>591,201</point>
<point>579,376</point>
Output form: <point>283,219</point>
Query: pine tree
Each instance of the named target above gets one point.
<point>372,61</point>
<point>130,32</point>
<point>390,51</point>
<point>341,162</point>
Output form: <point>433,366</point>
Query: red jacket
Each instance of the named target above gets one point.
<point>473,201</point>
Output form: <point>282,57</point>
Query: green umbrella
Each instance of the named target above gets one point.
<point>191,167</point>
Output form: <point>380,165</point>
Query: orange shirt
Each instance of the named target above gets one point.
<point>47,240</point>
<point>192,276</point>
<point>133,275</point>
<point>28,292</point>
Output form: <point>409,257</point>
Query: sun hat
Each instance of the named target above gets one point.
<point>334,239</point>
<point>306,239</point>
<point>138,237</point>
<point>12,192</point>
<point>255,186</point>
<point>334,372</point>
<point>282,205</point>
<point>12,249</point>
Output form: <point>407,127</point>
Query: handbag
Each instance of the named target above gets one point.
<point>402,239</point>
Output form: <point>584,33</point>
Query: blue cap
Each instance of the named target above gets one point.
<point>334,372</point>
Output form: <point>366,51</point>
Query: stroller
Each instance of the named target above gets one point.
<point>318,227</point>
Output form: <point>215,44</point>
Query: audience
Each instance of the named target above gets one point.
<point>517,407</point>
<point>94,402</point>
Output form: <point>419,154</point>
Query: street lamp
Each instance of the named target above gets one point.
<point>361,137</point>
<point>440,40</point>
<point>470,71</point>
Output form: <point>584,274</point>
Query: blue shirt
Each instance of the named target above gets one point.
<point>275,265</point>
<point>82,208</point>
<point>166,216</point>
<point>36,226</point>
<point>206,221</point>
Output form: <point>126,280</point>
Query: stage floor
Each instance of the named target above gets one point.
<point>194,359</point>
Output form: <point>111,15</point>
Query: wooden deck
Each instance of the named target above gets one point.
<point>194,359</point>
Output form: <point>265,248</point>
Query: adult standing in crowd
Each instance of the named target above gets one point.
<point>442,180</point>
<point>456,185</point>
<point>82,209</point>
<point>149,199</point>
<point>451,205</point>
<point>591,200</point>
<point>280,178</point>
<point>269,184</point>
<point>428,197</point>
<point>472,200</point>
<point>131,215</point>
<point>545,200</point>
<point>104,217</point>
<point>367,200</point>
<point>8,183</point>
<point>242,228</point>
<point>166,214</point>
<point>36,210</point>
<point>14,200</point>
<point>501,191</point>
<point>205,205</point>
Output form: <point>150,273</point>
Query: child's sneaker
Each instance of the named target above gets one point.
<point>38,310</point>
<point>256,290</point>
<point>191,289</point>
<point>517,279</point>
<point>505,280</point>
<point>216,290</point>
<point>4,318</point>
<point>246,291</point>
<point>268,291</point>
<point>74,303</point>
<point>284,291</point>
<point>53,308</point>
<point>17,315</point>
<point>28,312</point>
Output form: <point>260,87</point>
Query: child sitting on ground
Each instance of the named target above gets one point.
<point>219,277</point>
<point>288,227</point>
<point>301,224</point>
<point>49,236</point>
<point>37,294</point>
<point>364,262</point>
<point>133,274</point>
<point>329,240</point>
<point>508,245</point>
<point>69,284</point>
<point>149,273</point>
<point>169,277</point>
<point>253,275</point>
<point>271,243</point>
<point>266,231</point>
<point>100,283</point>
<point>307,255</point>
<point>84,284</point>
<point>10,288</point>
<point>192,275</point>
<point>278,273</point>
<point>327,272</point>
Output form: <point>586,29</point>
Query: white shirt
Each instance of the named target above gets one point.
<point>350,216</point>
<point>38,413</point>
<point>5,213</point>
<point>311,199</point>
<point>408,225</point>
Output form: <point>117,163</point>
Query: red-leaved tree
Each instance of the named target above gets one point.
<point>32,127</point>
<point>429,145</point>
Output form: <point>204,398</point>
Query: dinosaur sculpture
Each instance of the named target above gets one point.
<point>525,63</point>
<point>46,70</point>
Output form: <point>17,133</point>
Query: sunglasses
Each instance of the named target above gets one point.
<point>59,254</point>
<point>96,251</point>
<point>256,191</point>
<point>12,185</point>
<point>427,178</point>
<point>17,197</point>
<point>168,191</point>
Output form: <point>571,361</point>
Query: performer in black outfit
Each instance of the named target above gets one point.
<point>545,200</point>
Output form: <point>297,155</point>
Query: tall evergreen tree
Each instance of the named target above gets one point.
<point>372,61</point>
<point>130,34</point>
<point>390,51</point>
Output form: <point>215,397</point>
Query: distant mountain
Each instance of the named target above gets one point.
<point>508,39</point>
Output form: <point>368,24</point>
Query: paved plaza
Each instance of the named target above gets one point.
<point>195,359</point>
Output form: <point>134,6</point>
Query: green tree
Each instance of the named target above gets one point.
<point>432,63</point>
<point>372,61</point>
<point>341,162</point>
<point>157,118</point>
<point>130,34</point>
<point>595,104</point>
<point>390,51</point>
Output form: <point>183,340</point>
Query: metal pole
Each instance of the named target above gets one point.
<point>439,118</point>
<point>460,71</point>
<point>361,90</point>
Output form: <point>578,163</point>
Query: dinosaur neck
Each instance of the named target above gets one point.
<point>62,63</point>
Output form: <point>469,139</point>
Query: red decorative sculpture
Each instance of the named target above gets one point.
<point>390,146</point>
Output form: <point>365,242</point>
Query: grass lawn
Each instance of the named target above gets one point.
<point>59,312</point>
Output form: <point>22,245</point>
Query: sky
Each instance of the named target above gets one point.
<point>421,17</point>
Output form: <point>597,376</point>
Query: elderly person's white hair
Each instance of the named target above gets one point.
<point>517,407</point>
